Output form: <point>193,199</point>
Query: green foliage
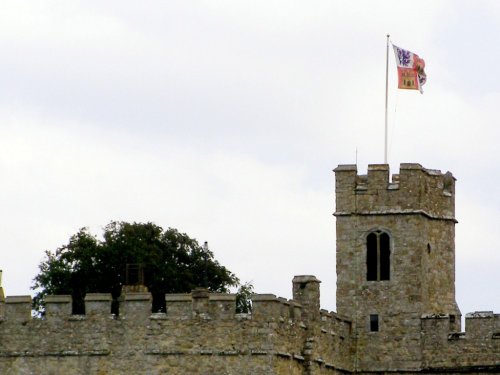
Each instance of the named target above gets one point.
<point>243,298</point>
<point>173,263</point>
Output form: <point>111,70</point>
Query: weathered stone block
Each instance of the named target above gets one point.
<point>98,304</point>
<point>222,306</point>
<point>266,307</point>
<point>58,306</point>
<point>179,305</point>
<point>18,308</point>
<point>136,306</point>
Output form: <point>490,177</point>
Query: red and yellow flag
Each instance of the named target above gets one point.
<point>411,74</point>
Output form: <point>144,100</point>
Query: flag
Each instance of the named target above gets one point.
<point>411,73</point>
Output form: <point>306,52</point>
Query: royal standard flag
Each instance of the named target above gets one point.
<point>411,75</point>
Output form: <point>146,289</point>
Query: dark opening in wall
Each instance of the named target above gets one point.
<point>374,322</point>
<point>378,256</point>
<point>159,303</point>
<point>385,256</point>
<point>78,303</point>
<point>454,325</point>
<point>371,257</point>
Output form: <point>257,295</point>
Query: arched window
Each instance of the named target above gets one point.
<point>378,256</point>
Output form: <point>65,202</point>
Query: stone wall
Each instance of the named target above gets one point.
<point>416,209</point>
<point>477,348</point>
<point>414,190</point>
<point>199,334</point>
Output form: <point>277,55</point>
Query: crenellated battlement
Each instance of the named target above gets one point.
<point>482,325</point>
<point>479,325</point>
<point>200,303</point>
<point>396,305</point>
<point>476,347</point>
<point>415,190</point>
<point>395,255</point>
<point>334,324</point>
<point>198,329</point>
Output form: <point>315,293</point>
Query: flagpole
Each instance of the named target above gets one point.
<point>386,95</point>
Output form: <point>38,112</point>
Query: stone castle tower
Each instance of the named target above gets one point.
<point>395,259</point>
<point>395,298</point>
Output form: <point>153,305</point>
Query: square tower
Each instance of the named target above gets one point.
<point>395,259</point>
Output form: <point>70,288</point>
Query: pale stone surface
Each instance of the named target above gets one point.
<point>419,321</point>
<point>416,308</point>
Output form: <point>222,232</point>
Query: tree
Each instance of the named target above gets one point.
<point>172,263</point>
<point>244,298</point>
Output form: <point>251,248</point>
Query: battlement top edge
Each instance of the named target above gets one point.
<point>58,298</point>
<point>378,167</point>
<point>98,297</point>
<point>137,296</point>
<point>346,167</point>
<point>480,314</point>
<point>386,167</point>
<point>178,297</point>
<point>18,299</point>
<point>222,297</point>
<point>305,278</point>
<point>264,297</point>
<point>410,166</point>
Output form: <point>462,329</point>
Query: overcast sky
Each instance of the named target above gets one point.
<point>224,119</point>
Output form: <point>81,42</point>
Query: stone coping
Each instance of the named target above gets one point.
<point>305,279</point>
<point>137,297</point>
<point>91,297</point>
<point>63,298</point>
<point>184,297</point>
<point>18,299</point>
<point>480,314</point>
<point>222,297</point>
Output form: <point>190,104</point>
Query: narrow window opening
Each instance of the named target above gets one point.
<point>378,256</point>
<point>374,323</point>
<point>371,257</point>
<point>428,248</point>
<point>385,256</point>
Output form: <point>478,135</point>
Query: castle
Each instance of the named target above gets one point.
<point>395,298</point>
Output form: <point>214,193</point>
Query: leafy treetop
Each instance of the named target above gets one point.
<point>172,263</point>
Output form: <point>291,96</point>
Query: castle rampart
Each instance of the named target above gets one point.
<point>415,190</point>
<point>401,318</point>
<point>202,330</point>
<point>199,330</point>
<point>478,347</point>
<point>395,264</point>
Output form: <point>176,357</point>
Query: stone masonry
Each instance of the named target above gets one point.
<point>401,319</point>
